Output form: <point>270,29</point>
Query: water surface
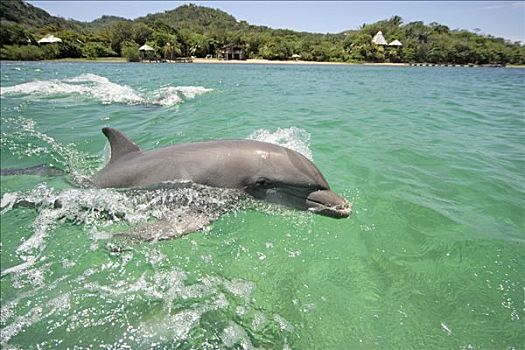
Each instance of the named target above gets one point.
<point>433,160</point>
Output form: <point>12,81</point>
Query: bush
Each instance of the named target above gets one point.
<point>276,49</point>
<point>69,49</point>
<point>130,50</point>
<point>14,34</point>
<point>31,53</point>
<point>95,49</point>
<point>50,51</point>
<point>21,53</point>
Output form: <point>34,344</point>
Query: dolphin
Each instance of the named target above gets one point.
<point>264,170</point>
<point>41,169</point>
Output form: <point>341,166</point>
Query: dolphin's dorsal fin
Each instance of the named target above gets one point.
<point>119,143</point>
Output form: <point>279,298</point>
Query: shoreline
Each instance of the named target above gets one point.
<point>260,61</point>
<point>290,62</point>
<point>87,60</point>
<point>299,62</point>
<point>218,61</point>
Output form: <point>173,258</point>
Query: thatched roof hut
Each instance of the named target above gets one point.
<point>49,39</point>
<point>395,43</point>
<point>379,39</point>
<point>146,47</point>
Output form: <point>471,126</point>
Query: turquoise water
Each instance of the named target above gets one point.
<point>433,160</point>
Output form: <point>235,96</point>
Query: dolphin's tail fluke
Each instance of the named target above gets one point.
<point>41,170</point>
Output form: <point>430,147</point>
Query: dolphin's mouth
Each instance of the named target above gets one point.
<point>322,202</point>
<point>328,203</point>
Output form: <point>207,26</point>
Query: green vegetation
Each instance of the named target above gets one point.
<point>192,30</point>
<point>130,50</point>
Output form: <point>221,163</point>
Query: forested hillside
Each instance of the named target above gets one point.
<point>198,31</point>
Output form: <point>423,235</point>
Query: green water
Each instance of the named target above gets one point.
<point>433,160</point>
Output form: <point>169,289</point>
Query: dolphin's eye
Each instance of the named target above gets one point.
<point>263,182</point>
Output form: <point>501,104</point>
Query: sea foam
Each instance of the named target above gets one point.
<point>293,138</point>
<point>179,208</point>
<point>101,89</point>
<point>172,95</point>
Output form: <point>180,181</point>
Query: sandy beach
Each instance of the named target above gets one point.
<point>263,61</point>
<point>218,61</point>
<point>249,61</point>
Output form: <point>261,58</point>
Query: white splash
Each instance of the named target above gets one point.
<point>293,138</point>
<point>178,209</point>
<point>172,95</point>
<point>191,91</point>
<point>18,268</point>
<point>167,96</point>
<point>20,323</point>
<point>171,289</point>
<point>184,299</point>
<point>102,89</point>
<point>235,334</point>
<point>446,328</point>
<point>283,323</point>
<point>91,85</point>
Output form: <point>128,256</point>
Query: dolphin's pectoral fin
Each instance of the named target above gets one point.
<point>119,143</point>
<point>169,228</point>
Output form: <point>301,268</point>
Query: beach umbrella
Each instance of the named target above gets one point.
<point>395,43</point>
<point>296,56</point>
<point>379,39</point>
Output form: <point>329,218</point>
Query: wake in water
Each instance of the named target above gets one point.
<point>154,214</point>
<point>21,137</point>
<point>102,89</point>
<point>184,207</point>
<point>174,309</point>
<point>149,214</point>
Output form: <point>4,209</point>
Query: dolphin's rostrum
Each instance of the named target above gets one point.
<point>264,170</point>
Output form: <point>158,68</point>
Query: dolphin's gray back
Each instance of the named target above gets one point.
<point>228,163</point>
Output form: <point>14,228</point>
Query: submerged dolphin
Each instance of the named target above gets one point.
<point>42,170</point>
<point>263,170</point>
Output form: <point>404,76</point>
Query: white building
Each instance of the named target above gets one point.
<point>49,39</point>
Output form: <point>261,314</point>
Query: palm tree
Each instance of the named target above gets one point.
<point>171,49</point>
<point>396,20</point>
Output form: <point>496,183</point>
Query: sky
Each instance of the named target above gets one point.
<point>504,19</point>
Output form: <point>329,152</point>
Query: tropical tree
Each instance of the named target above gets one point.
<point>130,50</point>
<point>171,49</point>
<point>141,33</point>
<point>14,34</point>
<point>119,32</point>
